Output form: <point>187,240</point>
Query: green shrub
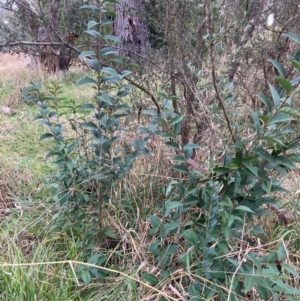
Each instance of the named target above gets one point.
<point>205,214</point>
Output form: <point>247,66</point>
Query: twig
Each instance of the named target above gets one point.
<point>213,72</point>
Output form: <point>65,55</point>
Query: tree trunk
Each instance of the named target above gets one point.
<point>51,58</point>
<point>130,27</point>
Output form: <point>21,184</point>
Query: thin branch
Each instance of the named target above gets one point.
<point>153,63</point>
<point>213,72</point>
<point>149,93</point>
<point>27,8</point>
<point>30,43</point>
<point>9,9</point>
<point>248,31</point>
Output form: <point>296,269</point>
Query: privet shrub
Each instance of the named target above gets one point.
<point>90,160</point>
<point>203,215</point>
<point>208,214</point>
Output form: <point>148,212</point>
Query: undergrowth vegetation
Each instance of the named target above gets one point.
<point>119,211</point>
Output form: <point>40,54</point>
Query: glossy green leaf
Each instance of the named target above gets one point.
<point>144,130</point>
<point>251,168</point>
<point>111,1</point>
<point>125,73</point>
<point>176,120</point>
<point>170,206</point>
<point>168,227</point>
<point>160,120</point>
<point>105,98</point>
<point>107,21</point>
<point>112,38</point>
<point>284,83</point>
<point>188,153</point>
<point>46,136</point>
<point>191,237</point>
<point>173,145</point>
<point>191,145</point>
<point>154,221</point>
<point>290,269</point>
<point>281,253</point>
<point>94,259</point>
<point>297,54</point>
<point>150,112</point>
<point>272,140</point>
<point>237,182</point>
<point>93,63</point>
<point>265,100</point>
<point>110,71</point>
<point>263,293</point>
<point>51,154</point>
<point>275,96</point>
<point>249,283</point>
<point>108,50</point>
<point>257,230</point>
<point>264,154</point>
<point>94,33</point>
<point>111,234</point>
<point>244,208</point>
<point>169,187</point>
<point>252,258</point>
<point>279,67</point>
<point>222,170</point>
<point>86,81</point>
<point>27,90</point>
<point>150,278</point>
<point>177,128</point>
<point>280,117</point>
<point>296,64</point>
<point>89,124</point>
<point>178,159</point>
<point>181,168</point>
<point>292,36</point>
<point>86,54</point>
<point>170,249</point>
<point>87,107</point>
<point>91,24</point>
<point>99,177</point>
<point>86,277</point>
<point>256,121</point>
<point>264,118</point>
<point>290,111</point>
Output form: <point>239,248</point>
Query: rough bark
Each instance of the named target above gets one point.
<point>130,27</point>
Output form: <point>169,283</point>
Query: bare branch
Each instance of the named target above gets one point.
<point>248,31</point>
<point>29,43</point>
<point>214,80</point>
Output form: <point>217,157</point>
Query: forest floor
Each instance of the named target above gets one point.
<point>37,262</point>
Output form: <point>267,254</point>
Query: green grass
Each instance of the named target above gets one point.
<point>33,254</point>
<point>33,276</point>
<point>41,262</point>
<point>26,239</point>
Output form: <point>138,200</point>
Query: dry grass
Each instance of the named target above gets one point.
<point>50,257</point>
